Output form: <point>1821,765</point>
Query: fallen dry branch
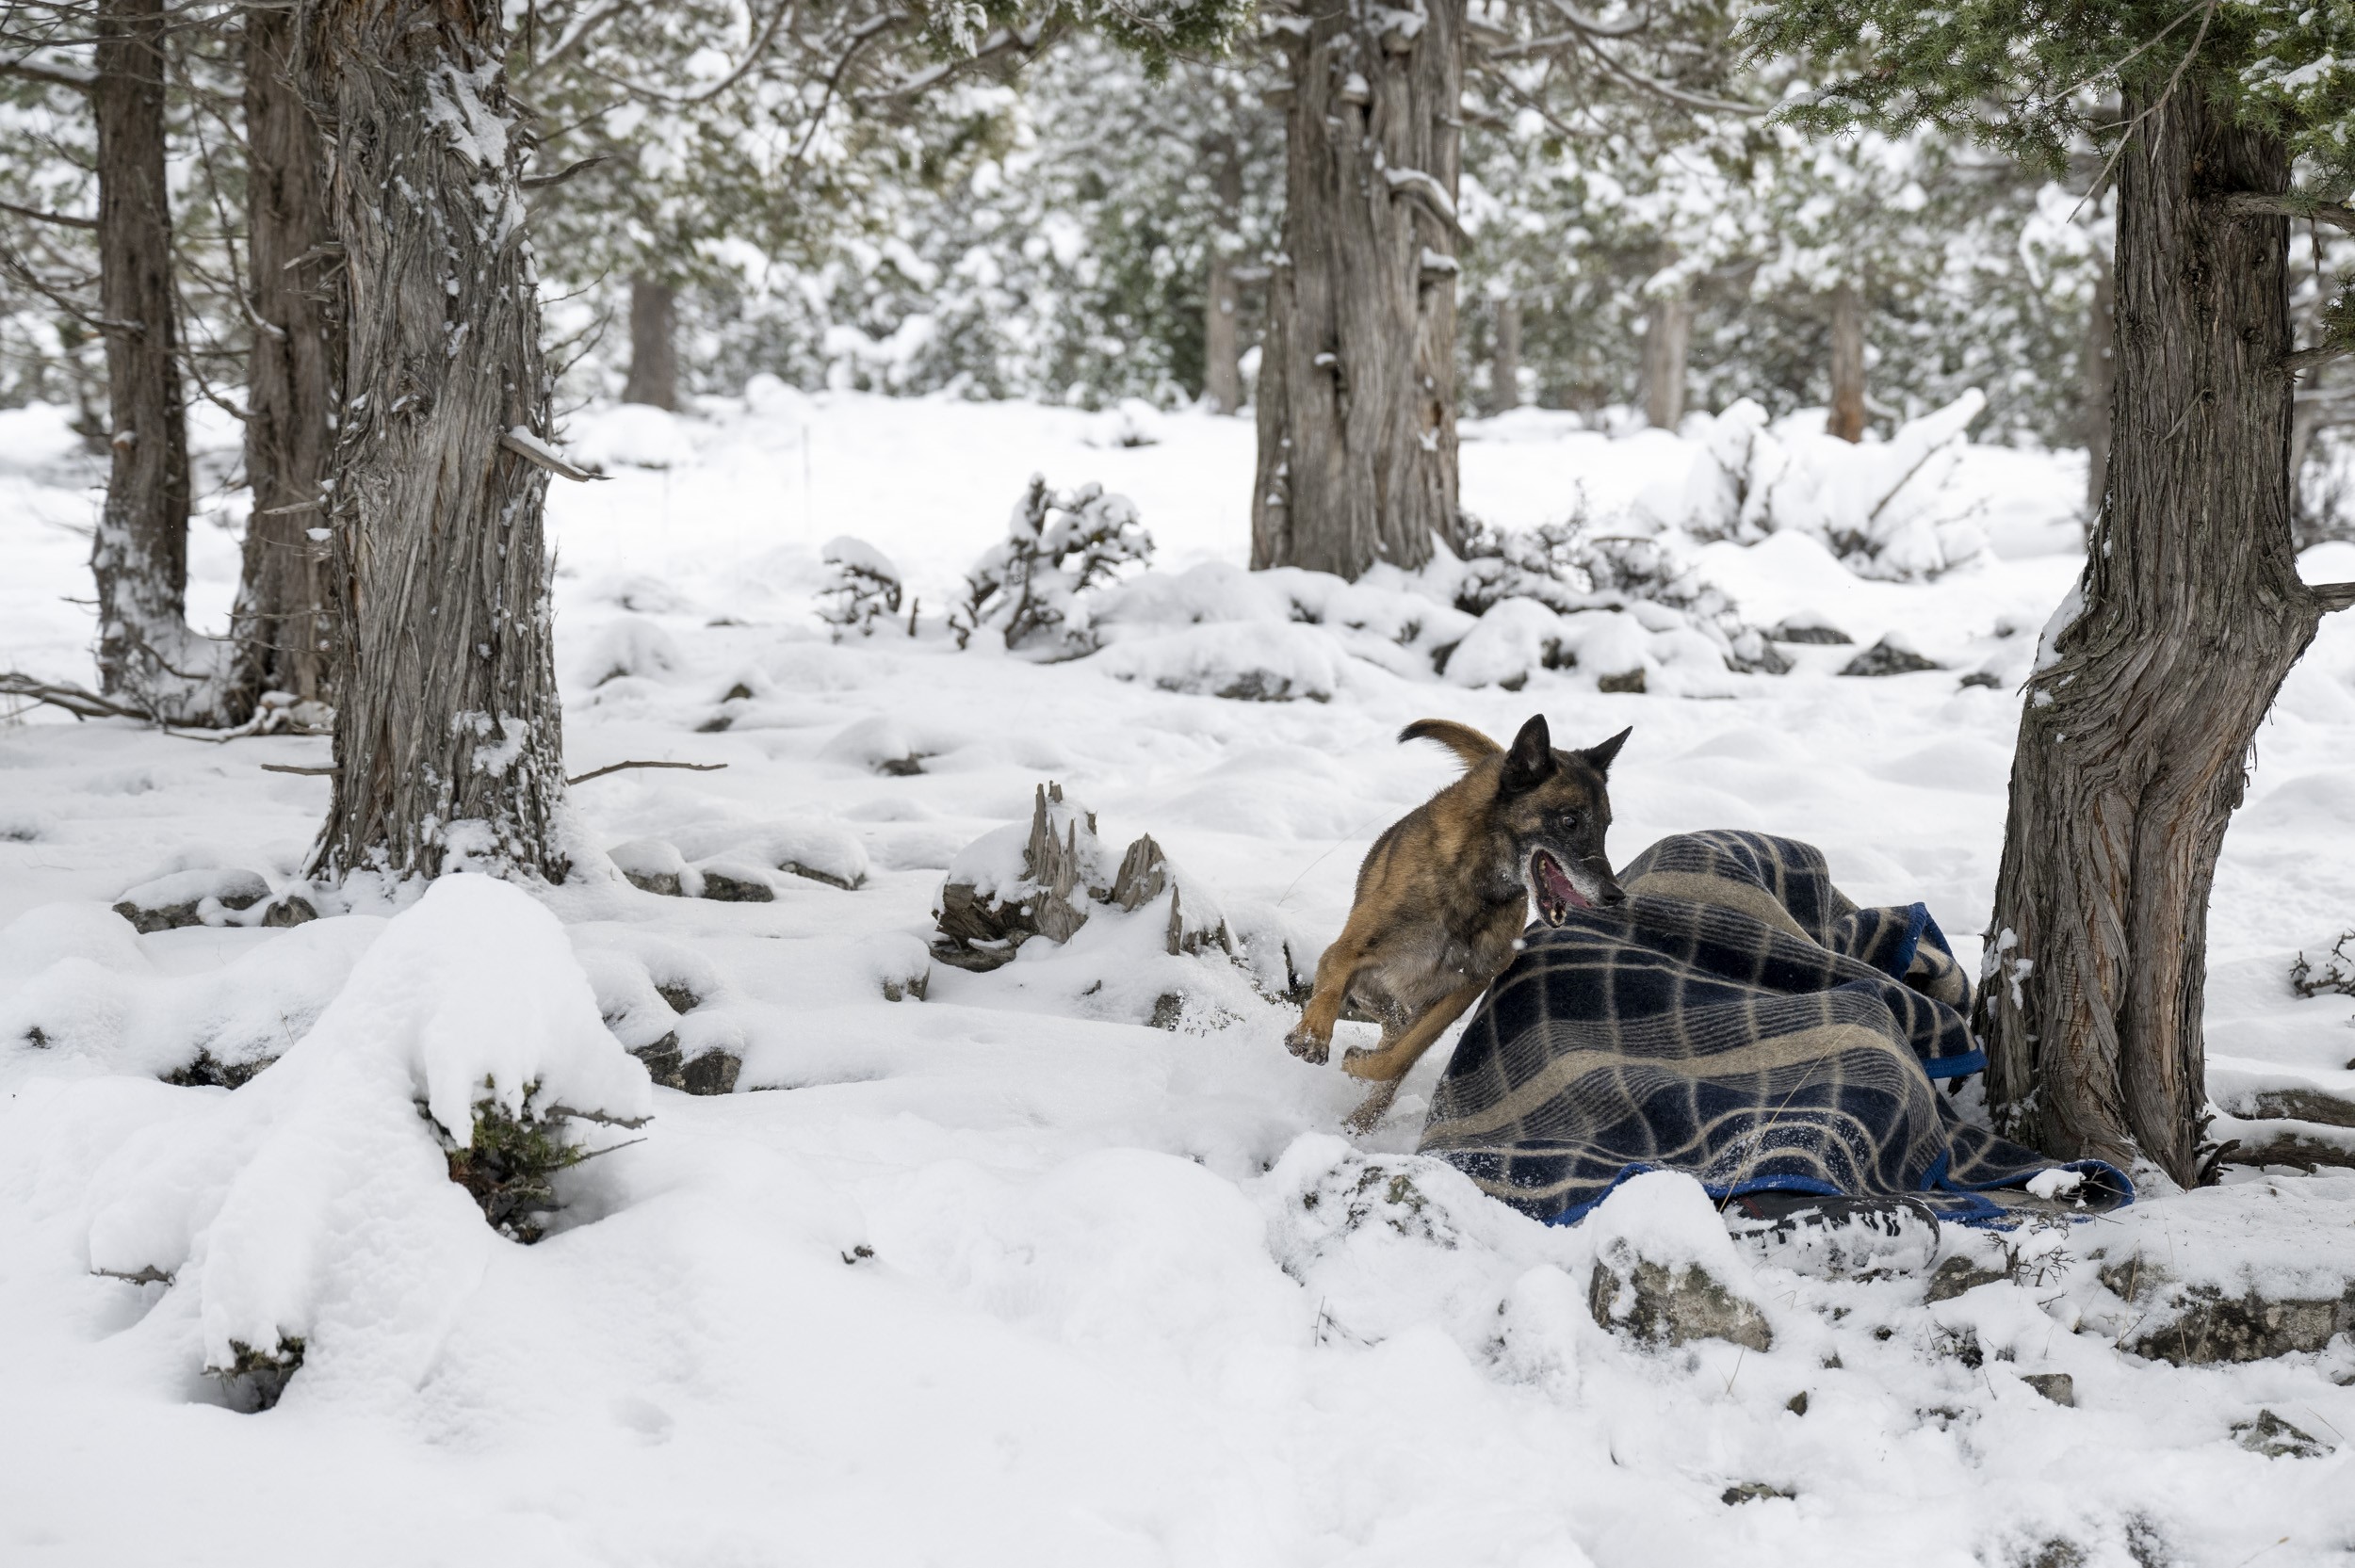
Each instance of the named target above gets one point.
<point>617,767</point>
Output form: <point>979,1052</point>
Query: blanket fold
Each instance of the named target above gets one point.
<point>1738,1019</point>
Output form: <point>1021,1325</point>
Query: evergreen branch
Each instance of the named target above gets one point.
<point>49,216</point>
<point>1027,41</point>
<point>753,53</point>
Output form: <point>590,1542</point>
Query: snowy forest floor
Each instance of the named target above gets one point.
<point>1099,1324</point>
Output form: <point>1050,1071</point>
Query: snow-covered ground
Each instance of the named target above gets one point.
<point>1005,1274</point>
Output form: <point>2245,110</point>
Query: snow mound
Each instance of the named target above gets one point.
<point>631,646</point>
<point>635,434</point>
<point>76,989</point>
<point>1253,662</point>
<point>315,1204</point>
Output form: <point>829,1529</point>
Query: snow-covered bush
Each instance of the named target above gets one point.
<point>862,587</point>
<point>311,1216</point>
<point>1570,569</point>
<point>1032,585</point>
<point>1888,510</point>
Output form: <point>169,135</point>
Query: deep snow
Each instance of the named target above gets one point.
<point>1100,1322</point>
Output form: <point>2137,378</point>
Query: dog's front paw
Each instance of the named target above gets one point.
<point>1311,1048</point>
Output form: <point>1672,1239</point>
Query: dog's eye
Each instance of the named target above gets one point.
<point>1567,821</point>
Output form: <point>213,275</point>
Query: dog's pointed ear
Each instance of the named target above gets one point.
<point>1600,756</point>
<point>1529,762</point>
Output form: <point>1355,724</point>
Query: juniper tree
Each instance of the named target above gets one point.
<point>1357,459</point>
<point>2153,679</point>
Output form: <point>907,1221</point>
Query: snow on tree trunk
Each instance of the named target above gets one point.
<point>1847,363</point>
<point>292,375</point>
<point>1504,359</point>
<point>1667,352</point>
<point>2153,676</point>
<point>447,735</point>
<point>653,343</point>
<point>1357,380</point>
<point>2101,380</point>
<point>139,554</point>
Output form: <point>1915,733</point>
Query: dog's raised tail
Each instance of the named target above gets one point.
<point>1462,739</point>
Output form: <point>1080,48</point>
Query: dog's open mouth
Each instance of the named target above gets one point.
<point>1556,894</point>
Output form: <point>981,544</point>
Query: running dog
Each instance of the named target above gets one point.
<point>1443,896</point>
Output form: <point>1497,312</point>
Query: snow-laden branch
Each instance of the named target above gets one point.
<point>525,445</point>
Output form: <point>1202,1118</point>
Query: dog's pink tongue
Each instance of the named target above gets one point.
<point>1558,883</point>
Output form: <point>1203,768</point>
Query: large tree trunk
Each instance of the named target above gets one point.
<point>1667,352</point>
<point>2100,380</point>
<point>447,738</point>
<point>2135,738</point>
<point>292,375</point>
<point>1222,346</point>
<point>1357,377</point>
<point>1504,358</point>
<point>139,554</point>
<point>652,345</point>
<point>1847,363</point>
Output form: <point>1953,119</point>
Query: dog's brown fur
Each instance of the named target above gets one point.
<point>1443,896</point>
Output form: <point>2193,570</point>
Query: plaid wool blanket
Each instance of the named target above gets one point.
<point>1738,1019</point>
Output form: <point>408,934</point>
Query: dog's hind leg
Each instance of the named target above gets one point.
<point>1391,1061</point>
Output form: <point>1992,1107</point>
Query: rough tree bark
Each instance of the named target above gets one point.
<point>1504,358</point>
<point>653,343</point>
<point>1221,352</point>
<point>1357,380</point>
<point>2136,733</point>
<point>448,742</point>
<point>2100,380</point>
<point>1847,363</point>
<point>1667,353</point>
<point>292,374</point>
<point>139,554</point>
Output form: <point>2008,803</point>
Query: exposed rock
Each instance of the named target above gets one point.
<point>289,909</point>
<point>1796,1404</point>
<point>256,1378</point>
<point>902,768</point>
<point>1987,678</point>
<point>1889,656</point>
<point>1263,685</point>
<point>1958,1276</point>
<point>1810,629</point>
<point>2060,1387</point>
<point>1658,1305</point>
<point>209,1072</point>
<point>184,898</point>
<point>1625,680</point>
<point>2275,1438</point>
<point>728,887</point>
<point>897,989</point>
<point>2207,1326</point>
<point>712,1073</point>
<point>1751,1491</point>
<point>654,865</point>
<point>1169,1008</point>
<point>664,1064</point>
<point>677,996</point>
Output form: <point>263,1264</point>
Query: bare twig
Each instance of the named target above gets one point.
<point>2249,204</point>
<point>308,772</point>
<point>2307,359</point>
<point>561,1113</point>
<point>617,767</point>
<point>78,700</point>
<point>2334,596</point>
<point>581,166</point>
<point>532,449</point>
<point>49,216</point>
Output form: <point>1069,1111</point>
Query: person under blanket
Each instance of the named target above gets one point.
<point>1738,1019</point>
